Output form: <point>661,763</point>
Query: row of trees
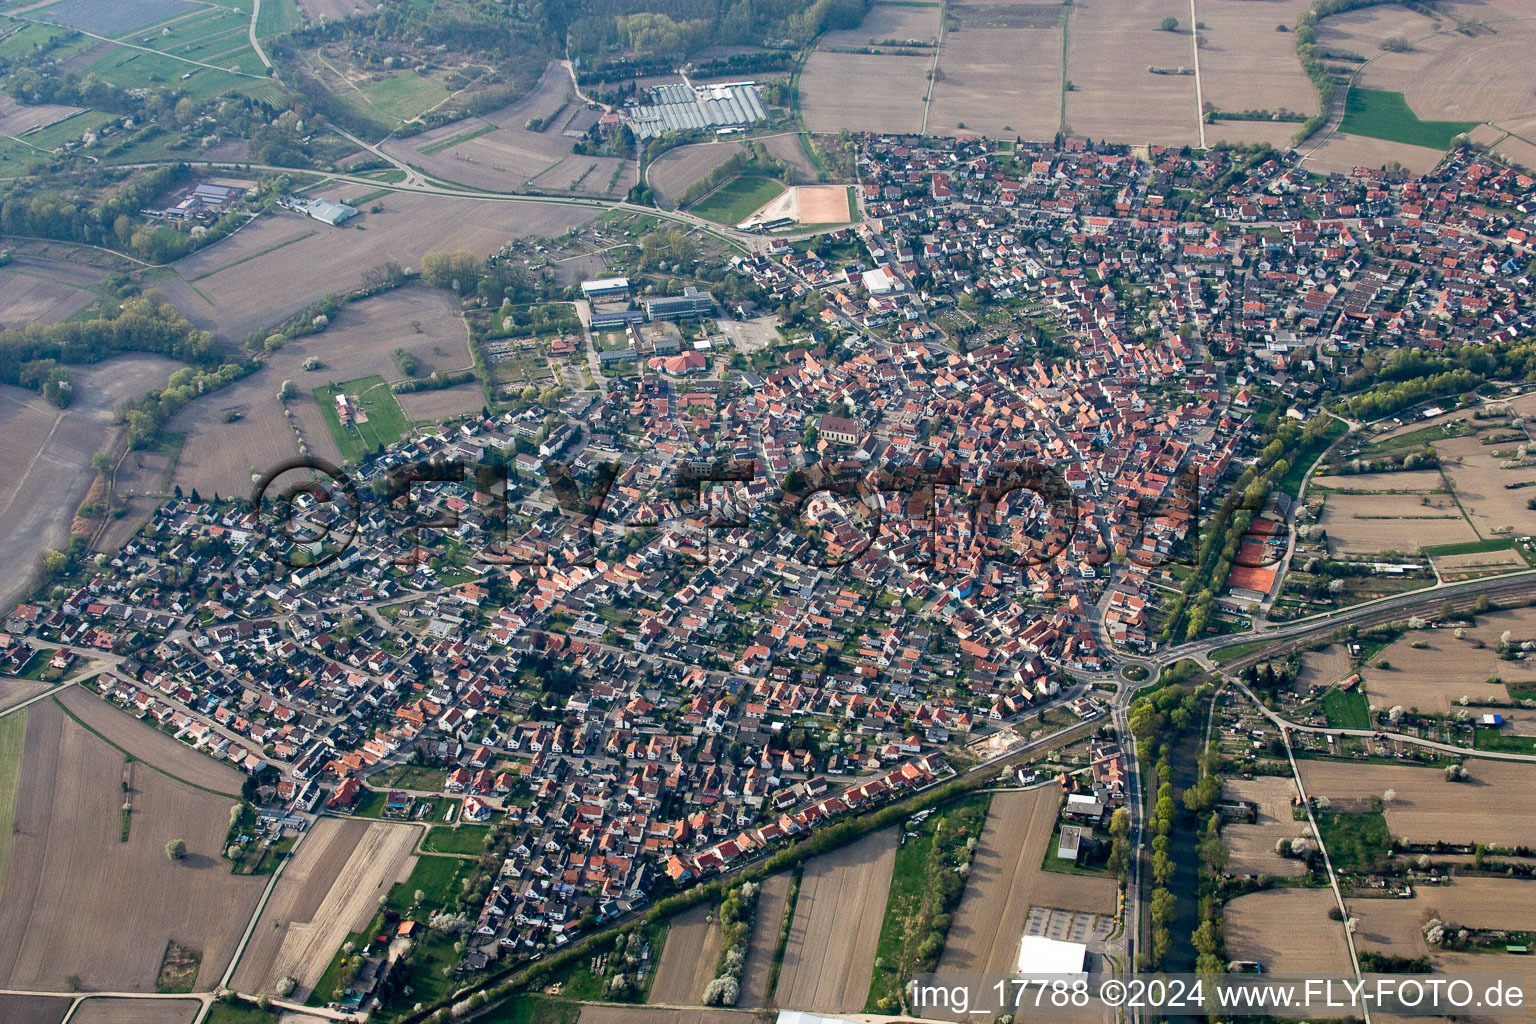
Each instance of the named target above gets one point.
<point>736,912</point>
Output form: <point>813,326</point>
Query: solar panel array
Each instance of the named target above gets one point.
<point>679,108</point>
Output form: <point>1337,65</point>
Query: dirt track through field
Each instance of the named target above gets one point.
<point>829,960</point>
<point>381,858</point>
<point>1006,880</point>
<point>135,1011</point>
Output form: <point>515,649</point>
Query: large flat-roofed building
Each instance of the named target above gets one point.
<point>1040,955</point>
<point>1071,842</point>
<point>692,303</point>
<point>606,288</point>
<point>329,212</point>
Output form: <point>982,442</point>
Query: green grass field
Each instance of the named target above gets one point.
<point>401,97</point>
<point>464,839</point>
<point>1347,709</point>
<point>1379,114</point>
<point>409,776</point>
<point>385,425</point>
<point>435,878</point>
<point>13,732</point>
<point>1357,842</point>
<point>737,199</point>
<point>277,17</point>
<point>908,918</point>
<point>1483,739</point>
<point>527,1009</point>
<point>1300,461</point>
<point>1471,547</point>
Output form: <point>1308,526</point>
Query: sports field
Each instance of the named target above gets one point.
<point>736,200</point>
<point>376,420</point>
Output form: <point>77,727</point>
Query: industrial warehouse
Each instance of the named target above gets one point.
<point>681,108</point>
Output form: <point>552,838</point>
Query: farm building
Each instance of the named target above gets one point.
<point>329,212</point>
<point>1040,955</point>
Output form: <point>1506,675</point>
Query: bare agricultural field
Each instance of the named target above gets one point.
<point>442,404</point>
<point>1007,879</point>
<point>466,152</point>
<point>829,960</point>
<point>1481,482</point>
<point>1436,676</point>
<point>772,900</point>
<point>105,1010</point>
<point>1110,45</point>
<point>999,82</point>
<point>13,691</point>
<point>1246,65</point>
<point>1412,481</point>
<point>1446,74</point>
<point>1371,523</point>
<point>687,958</point>
<point>1342,153</point>
<point>788,149</point>
<point>17,118</point>
<point>888,24</point>
<point>1322,668</point>
<point>218,455</point>
<point>597,1014</point>
<point>1462,964</point>
<point>33,1009</point>
<point>71,882</point>
<point>1279,134</point>
<point>1517,151</point>
<point>1467,566</point>
<point>1504,904</point>
<point>44,291</point>
<point>1253,846</point>
<point>1288,930</point>
<point>303,885</point>
<point>863,92</point>
<point>150,745</point>
<point>1394,926</point>
<point>676,169</point>
<point>331,10</point>
<point>265,273</point>
<point>1426,808</point>
<point>46,454</point>
<point>381,858</point>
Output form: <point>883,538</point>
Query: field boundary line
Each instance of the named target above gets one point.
<point>933,69</point>
<point>146,49</point>
<point>252,256</point>
<point>1194,42</point>
<point>132,756</point>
